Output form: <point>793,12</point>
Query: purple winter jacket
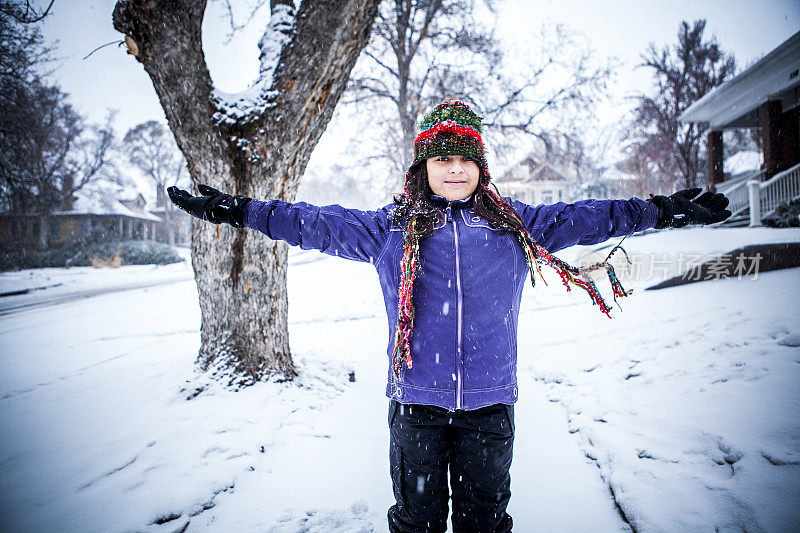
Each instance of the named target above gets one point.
<point>468,288</point>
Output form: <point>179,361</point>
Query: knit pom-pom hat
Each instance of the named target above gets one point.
<point>451,128</point>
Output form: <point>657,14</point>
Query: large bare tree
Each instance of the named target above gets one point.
<point>256,143</point>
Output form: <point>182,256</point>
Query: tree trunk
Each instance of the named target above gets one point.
<point>256,144</point>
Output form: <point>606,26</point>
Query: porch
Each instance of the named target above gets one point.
<point>765,96</point>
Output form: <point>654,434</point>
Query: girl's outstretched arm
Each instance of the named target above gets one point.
<point>332,229</point>
<point>561,225</point>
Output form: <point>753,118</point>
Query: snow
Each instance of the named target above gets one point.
<point>684,406</point>
<point>47,285</point>
<point>743,161</point>
<point>660,255</point>
<point>683,399</point>
<point>253,102</point>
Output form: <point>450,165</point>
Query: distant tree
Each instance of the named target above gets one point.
<point>21,43</point>
<point>335,185</point>
<point>589,158</point>
<point>683,73</point>
<point>640,175</point>
<point>151,148</point>
<point>23,12</point>
<point>423,51</point>
<point>21,49</point>
<point>547,96</point>
<point>47,152</point>
<point>69,155</point>
<point>420,51</point>
<point>256,143</point>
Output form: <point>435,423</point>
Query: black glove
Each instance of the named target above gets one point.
<point>213,206</point>
<point>680,210</point>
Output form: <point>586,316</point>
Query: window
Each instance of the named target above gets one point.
<point>84,226</point>
<point>547,196</point>
<point>54,227</point>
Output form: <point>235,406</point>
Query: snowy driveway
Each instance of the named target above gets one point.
<point>684,406</point>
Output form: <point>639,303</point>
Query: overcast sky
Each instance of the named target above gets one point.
<point>111,79</point>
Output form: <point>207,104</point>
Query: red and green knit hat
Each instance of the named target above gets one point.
<point>451,128</point>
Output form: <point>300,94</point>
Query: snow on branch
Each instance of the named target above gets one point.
<point>249,105</point>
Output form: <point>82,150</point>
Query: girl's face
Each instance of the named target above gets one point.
<point>453,177</point>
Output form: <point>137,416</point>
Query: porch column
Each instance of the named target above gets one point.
<point>42,232</point>
<point>770,115</point>
<point>754,194</point>
<point>715,171</point>
<point>790,138</point>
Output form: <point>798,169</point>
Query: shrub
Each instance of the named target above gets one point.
<point>99,261</point>
<point>96,254</point>
<point>785,216</point>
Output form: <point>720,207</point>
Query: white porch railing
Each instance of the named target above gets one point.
<point>737,192</point>
<point>765,197</point>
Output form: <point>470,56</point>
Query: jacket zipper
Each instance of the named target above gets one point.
<point>459,317</point>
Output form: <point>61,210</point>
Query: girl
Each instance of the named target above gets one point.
<point>452,257</point>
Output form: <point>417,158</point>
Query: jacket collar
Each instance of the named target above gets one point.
<point>440,201</point>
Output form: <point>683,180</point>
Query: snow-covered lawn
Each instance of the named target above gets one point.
<point>43,286</point>
<point>682,410</point>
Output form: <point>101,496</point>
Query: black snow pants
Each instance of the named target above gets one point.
<point>475,445</point>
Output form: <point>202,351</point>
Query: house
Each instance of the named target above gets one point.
<point>625,178</point>
<point>535,182</point>
<point>174,227</point>
<point>765,96</point>
<point>90,214</point>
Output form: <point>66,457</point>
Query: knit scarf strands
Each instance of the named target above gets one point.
<point>405,306</point>
<point>534,255</point>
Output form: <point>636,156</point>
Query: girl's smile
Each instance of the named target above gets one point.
<point>453,177</point>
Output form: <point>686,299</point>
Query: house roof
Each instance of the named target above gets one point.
<point>103,203</point>
<point>531,170</point>
<point>131,196</point>
<point>735,103</point>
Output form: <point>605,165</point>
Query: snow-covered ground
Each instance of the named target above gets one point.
<point>743,161</point>
<point>680,414</point>
<point>44,286</point>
